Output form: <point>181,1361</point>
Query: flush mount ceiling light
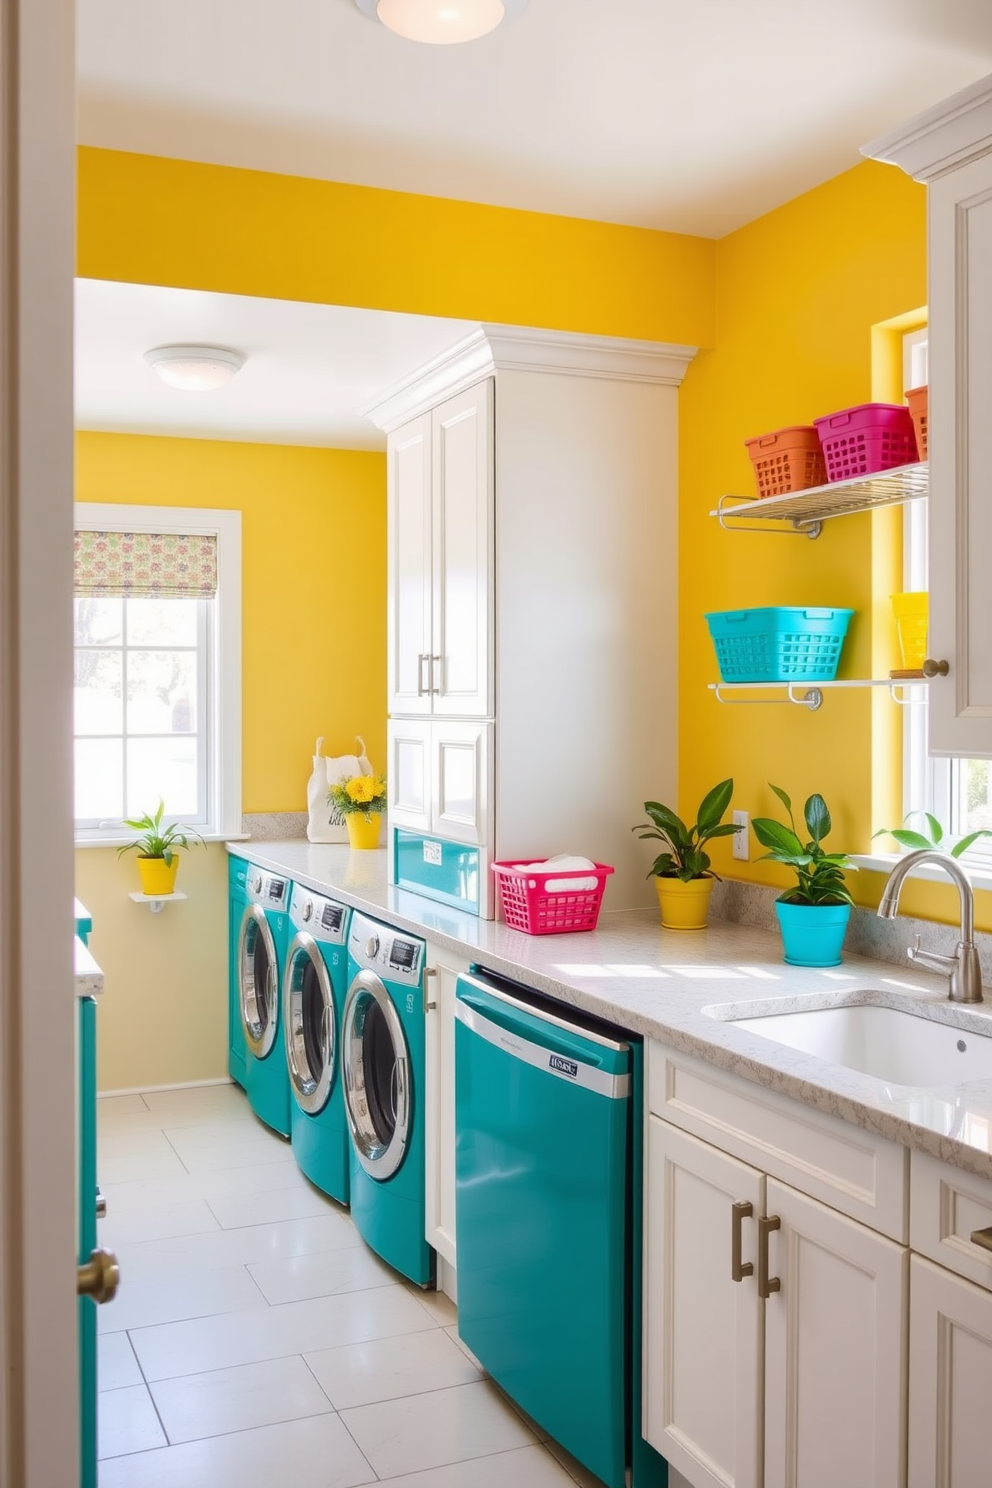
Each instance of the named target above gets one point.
<point>195,369</point>
<point>441,22</point>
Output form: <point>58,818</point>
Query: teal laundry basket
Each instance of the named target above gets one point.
<point>778,643</point>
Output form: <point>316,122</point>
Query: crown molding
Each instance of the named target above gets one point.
<point>945,137</point>
<point>496,348</point>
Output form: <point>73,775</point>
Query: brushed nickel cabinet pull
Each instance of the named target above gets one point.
<point>982,1238</point>
<point>429,1005</point>
<point>766,1284</point>
<point>738,1268</point>
<point>437,674</point>
<point>423,688</point>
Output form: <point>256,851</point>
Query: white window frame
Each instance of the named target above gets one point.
<point>224,680</point>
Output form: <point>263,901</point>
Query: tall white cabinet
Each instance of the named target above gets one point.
<point>532,596</point>
<point>950,148</point>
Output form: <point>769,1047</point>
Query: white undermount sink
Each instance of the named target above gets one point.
<point>885,1042</point>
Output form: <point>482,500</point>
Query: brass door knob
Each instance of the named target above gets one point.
<point>98,1277</point>
<point>933,668</point>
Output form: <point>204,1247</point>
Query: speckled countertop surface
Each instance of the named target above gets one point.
<point>660,983</point>
<point>89,977</point>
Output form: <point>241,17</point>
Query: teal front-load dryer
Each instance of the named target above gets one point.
<point>263,941</point>
<point>548,1219</point>
<point>383,1044</point>
<point>314,987</point>
<point>237,903</point>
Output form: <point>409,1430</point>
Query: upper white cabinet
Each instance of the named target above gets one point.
<point>950,148</point>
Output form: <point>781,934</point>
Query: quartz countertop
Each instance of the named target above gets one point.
<point>660,983</point>
<point>89,977</point>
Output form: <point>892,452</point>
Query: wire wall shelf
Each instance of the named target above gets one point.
<point>810,695</point>
<point>806,511</point>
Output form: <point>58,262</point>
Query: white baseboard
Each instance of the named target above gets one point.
<point>157,1089</point>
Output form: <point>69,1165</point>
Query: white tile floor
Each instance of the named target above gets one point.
<point>255,1340</point>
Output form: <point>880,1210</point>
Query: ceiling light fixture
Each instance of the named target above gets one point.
<point>195,369</point>
<point>441,22</point>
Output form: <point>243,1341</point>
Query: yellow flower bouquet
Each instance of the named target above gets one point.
<point>361,793</point>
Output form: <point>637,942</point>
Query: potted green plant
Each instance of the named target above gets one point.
<point>813,916</point>
<point>682,874</point>
<point>933,836</point>
<point>360,800</point>
<point>158,847</point>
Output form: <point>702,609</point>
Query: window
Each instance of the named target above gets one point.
<point>957,791</point>
<point>157,668</point>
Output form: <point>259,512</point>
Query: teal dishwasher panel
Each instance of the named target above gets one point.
<point>87,1233</point>
<point>543,1154</point>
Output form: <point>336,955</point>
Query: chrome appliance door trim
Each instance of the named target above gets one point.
<point>574,1071</point>
<point>379,1158</point>
<point>259,1036</point>
<point>311,1088</point>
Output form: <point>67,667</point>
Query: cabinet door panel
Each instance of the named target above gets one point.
<point>950,1380</point>
<point>409,774</point>
<point>444,969</point>
<point>409,564</point>
<point>961,457</point>
<point>463,536</point>
<point>835,1350</point>
<point>462,781</point>
<point>702,1330</point>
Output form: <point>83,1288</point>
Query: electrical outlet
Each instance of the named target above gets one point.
<point>742,847</point>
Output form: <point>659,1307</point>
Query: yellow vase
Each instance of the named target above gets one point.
<point>158,876</point>
<point>363,831</point>
<point>684,906</point>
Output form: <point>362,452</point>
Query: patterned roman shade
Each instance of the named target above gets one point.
<point>146,565</point>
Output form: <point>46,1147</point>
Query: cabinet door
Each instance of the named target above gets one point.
<point>409,567</point>
<point>702,1330</point>
<point>409,774</point>
<point>835,1350</point>
<point>443,971</point>
<point>462,755</point>
<point>463,554</point>
<point>961,457</point>
<point>950,1380</point>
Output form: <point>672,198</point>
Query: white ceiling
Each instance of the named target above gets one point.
<point>692,115</point>
<point>309,366</point>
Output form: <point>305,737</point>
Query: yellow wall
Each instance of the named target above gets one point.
<point>313,662</point>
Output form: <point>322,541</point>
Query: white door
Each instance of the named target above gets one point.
<point>835,1349</point>
<point>408,603</point>
<point>960,444</point>
<point>702,1329</point>
<point>443,968</point>
<point>950,1380</point>
<point>409,773</point>
<point>462,679</point>
<point>462,788</point>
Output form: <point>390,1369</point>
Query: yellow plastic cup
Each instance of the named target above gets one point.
<point>912,616</point>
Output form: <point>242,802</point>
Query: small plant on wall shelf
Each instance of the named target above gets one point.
<point>813,916</point>
<point>157,847</point>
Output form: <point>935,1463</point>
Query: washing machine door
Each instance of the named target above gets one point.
<point>376,1069</point>
<point>258,975</point>
<point>310,1024</point>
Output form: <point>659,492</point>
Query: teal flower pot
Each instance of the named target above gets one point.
<point>812,934</point>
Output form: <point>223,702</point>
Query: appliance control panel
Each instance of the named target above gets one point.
<point>392,954</point>
<point>319,916</point>
<point>268,889</point>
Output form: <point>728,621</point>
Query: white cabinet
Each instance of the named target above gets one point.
<point>775,1329</point>
<point>950,1380</point>
<point>443,968</point>
<point>441,778</point>
<point>440,559</point>
<point>950,148</point>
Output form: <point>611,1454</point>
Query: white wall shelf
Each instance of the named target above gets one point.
<point>804,512</point>
<point>156,902</point>
<point>808,694</point>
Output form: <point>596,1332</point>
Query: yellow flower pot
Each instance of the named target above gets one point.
<point>363,831</point>
<point>158,876</point>
<point>684,906</point>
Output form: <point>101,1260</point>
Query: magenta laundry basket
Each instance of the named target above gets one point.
<point>866,439</point>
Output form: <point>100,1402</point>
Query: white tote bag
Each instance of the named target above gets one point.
<point>324,824</point>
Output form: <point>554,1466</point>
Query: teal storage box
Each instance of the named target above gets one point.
<point>778,643</point>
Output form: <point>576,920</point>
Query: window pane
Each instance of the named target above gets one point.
<point>976,806</point>
<point>98,622</point>
<point>98,703</point>
<point>162,769</point>
<point>161,692</point>
<point>99,779</point>
<point>162,622</point>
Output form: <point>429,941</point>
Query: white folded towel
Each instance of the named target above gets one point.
<point>566,863</point>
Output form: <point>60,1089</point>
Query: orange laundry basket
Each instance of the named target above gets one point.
<point>918,398</point>
<point>787,460</point>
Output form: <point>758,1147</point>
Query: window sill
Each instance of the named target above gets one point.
<point>84,840</point>
<point>979,878</point>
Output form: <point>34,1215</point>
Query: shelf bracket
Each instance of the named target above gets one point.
<point>811,530</point>
<point>805,697</point>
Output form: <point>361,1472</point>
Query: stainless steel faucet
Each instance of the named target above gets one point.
<point>963,968</point>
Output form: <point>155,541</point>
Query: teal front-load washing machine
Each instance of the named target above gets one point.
<point>548,1218</point>
<point>237,903</point>
<point>383,1045</point>
<point>262,945</point>
<point>314,987</point>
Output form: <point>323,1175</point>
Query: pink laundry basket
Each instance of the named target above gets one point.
<point>866,439</point>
